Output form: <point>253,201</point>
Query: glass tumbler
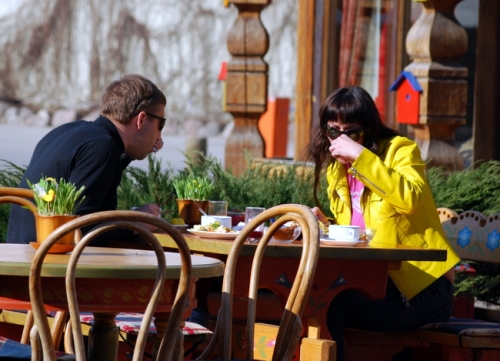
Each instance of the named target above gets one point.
<point>251,213</point>
<point>217,208</point>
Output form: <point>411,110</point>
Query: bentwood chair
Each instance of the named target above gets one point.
<point>24,197</point>
<point>170,347</point>
<point>290,327</point>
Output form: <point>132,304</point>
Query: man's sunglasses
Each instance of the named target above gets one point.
<point>162,120</point>
<point>354,134</point>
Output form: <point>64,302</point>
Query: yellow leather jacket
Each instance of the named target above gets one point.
<point>398,204</point>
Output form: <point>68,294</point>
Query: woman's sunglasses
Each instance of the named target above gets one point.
<point>354,134</point>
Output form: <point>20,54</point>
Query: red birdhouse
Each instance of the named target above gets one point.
<point>407,98</point>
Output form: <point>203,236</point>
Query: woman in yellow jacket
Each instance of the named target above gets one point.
<point>376,180</point>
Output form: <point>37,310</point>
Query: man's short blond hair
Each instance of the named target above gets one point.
<point>123,99</point>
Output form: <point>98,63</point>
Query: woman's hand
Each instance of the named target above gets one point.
<point>319,215</point>
<point>344,149</point>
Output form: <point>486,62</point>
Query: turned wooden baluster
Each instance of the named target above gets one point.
<point>246,83</point>
<point>437,37</point>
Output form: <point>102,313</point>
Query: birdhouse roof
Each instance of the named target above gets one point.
<point>406,75</point>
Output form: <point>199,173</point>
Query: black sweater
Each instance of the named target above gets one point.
<point>82,152</point>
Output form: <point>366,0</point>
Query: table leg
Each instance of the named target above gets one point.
<point>103,337</point>
<point>161,320</point>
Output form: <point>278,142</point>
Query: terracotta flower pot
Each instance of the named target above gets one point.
<point>46,224</point>
<point>189,211</point>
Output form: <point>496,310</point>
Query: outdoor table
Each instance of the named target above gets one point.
<point>109,281</point>
<point>363,267</point>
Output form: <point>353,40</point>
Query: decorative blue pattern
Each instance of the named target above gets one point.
<point>493,240</point>
<point>464,237</point>
<point>338,282</point>
<point>284,281</point>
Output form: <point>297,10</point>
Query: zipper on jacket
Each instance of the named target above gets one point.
<point>355,174</point>
<point>405,300</point>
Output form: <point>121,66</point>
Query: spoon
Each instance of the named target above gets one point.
<point>201,210</point>
<point>166,200</point>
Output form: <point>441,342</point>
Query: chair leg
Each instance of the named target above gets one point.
<point>57,329</point>
<point>58,325</point>
<point>68,339</point>
<point>28,324</point>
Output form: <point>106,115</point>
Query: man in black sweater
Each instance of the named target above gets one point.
<point>95,154</point>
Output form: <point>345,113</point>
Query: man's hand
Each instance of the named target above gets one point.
<point>150,208</point>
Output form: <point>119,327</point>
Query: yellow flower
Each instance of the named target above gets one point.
<point>49,197</point>
<point>52,197</point>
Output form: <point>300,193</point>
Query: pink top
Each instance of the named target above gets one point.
<point>356,189</point>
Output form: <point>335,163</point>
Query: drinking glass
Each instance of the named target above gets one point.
<point>251,213</point>
<point>217,208</point>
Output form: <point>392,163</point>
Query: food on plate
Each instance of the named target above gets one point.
<point>286,231</point>
<point>366,235</point>
<point>322,227</point>
<point>216,227</point>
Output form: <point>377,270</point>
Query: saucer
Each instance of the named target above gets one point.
<point>340,242</point>
<point>56,248</point>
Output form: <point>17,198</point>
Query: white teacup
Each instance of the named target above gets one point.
<point>344,233</point>
<point>224,220</point>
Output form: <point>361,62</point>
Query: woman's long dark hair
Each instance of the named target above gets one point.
<point>349,105</point>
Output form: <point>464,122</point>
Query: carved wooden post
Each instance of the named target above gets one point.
<point>437,36</point>
<point>246,83</point>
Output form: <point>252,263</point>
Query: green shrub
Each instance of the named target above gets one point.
<point>260,185</point>
<point>139,187</point>
<point>10,176</point>
<point>484,285</point>
<point>475,189</point>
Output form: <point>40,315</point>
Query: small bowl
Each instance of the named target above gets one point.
<point>285,236</point>
<point>224,220</point>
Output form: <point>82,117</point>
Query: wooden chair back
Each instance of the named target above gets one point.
<point>472,235</point>
<point>291,325</point>
<point>24,197</point>
<point>19,196</point>
<point>170,345</point>
<point>16,192</point>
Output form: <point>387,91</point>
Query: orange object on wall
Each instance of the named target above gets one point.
<point>408,92</point>
<point>273,126</point>
<point>407,104</point>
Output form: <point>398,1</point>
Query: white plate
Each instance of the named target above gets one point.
<point>205,234</point>
<point>339,242</point>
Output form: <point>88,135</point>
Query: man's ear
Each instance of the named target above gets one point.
<point>139,120</point>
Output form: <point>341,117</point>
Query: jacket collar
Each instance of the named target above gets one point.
<point>107,124</point>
